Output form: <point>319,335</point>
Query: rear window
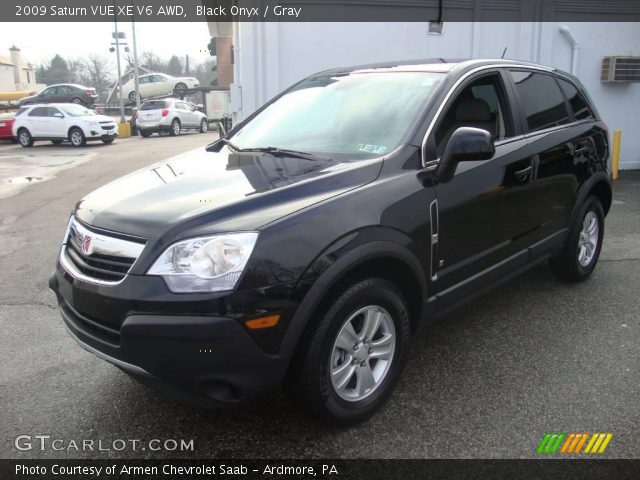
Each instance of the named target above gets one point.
<point>541,100</point>
<point>21,110</point>
<point>579,105</point>
<point>155,105</point>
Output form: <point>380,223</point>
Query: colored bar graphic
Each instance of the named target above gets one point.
<point>573,442</point>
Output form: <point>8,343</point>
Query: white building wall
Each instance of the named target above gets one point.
<point>269,57</point>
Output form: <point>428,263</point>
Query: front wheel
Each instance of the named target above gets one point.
<point>76,100</point>
<point>204,126</point>
<point>132,97</point>
<point>144,133</point>
<point>350,362</point>
<point>76,137</point>
<point>582,248</point>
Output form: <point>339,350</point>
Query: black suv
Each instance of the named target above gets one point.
<point>305,247</point>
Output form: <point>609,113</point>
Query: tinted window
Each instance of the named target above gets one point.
<point>541,100</point>
<point>183,106</point>
<point>51,111</point>
<point>38,112</point>
<point>581,110</point>
<point>49,91</point>
<point>156,105</point>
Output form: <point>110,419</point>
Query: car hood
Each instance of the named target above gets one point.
<point>208,192</point>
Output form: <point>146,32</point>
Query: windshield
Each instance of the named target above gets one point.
<point>361,114</point>
<point>77,110</point>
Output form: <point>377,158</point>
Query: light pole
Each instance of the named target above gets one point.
<point>135,60</point>
<point>121,93</point>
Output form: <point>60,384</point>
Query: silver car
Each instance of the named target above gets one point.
<point>170,115</point>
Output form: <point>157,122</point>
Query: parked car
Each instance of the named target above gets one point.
<point>307,246</point>
<point>158,84</point>
<point>170,115</point>
<point>63,121</point>
<point>63,93</point>
<point>6,124</point>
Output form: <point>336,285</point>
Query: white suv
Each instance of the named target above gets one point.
<point>62,121</point>
<point>170,115</point>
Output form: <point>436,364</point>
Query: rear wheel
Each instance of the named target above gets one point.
<point>350,362</point>
<point>25,138</point>
<point>204,126</point>
<point>76,100</point>
<point>181,87</point>
<point>76,137</point>
<point>145,134</point>
<point>582,248</point>
<point>175,127</point>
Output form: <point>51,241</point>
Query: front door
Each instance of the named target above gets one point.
<point>486,212</point>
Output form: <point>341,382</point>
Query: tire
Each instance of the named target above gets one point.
<point>108,141</point>
<point>175,127</point>
<point>132,96</point>
<point>144,133</point>
<point>180,87</point>
<point>204,126</point>
<point>77,138</point>
<point>309,381</point>
<point>56,142</point>
<point>77,101</point>
<point>582,248</point>
<point>24,138</point>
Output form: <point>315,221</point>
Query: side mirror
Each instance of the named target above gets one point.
<point>58,115</point>
<point>466,144</point>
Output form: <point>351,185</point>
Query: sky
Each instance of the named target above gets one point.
<point>41,41</point>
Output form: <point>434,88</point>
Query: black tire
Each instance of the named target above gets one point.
<point>56,142</point>
<point>567,266</point>
<point>76,137</point>
<point>308,382</point>
<point>132,96</point>
<point>145,133</point>
<point>24,138</point>
<point>77,101</point>
<point>175,127</point>
<point>180,87</point>
<point>204,126</point>
<point>108,141</point>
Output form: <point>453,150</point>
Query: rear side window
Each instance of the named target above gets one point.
<point>38,112</point>
<point>155,105</point>
<point>579,105</point>
<point>541,100</point>
<point>21,110</point>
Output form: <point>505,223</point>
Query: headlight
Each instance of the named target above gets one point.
<point>205,264</point>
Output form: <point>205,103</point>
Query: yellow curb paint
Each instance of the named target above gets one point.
<point>606,441</point>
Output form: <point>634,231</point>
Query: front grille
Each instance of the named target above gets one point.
<point>108,127</point>
<point>89,326</point>
<point>97,257</point>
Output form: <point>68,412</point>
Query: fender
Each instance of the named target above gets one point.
<point>585,189</point>
<point>334,272</point>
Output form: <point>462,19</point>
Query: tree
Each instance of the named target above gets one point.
<point>96,73</point>
<point>205,72</point>
<point>174,67</point>
<point>152,62</point>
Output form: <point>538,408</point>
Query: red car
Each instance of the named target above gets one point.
<point>6,123</point>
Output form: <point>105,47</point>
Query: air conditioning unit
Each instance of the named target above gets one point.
<point>620,70</point>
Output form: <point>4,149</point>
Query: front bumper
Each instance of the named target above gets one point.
<point>206,360</point>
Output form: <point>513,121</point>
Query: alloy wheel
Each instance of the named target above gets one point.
<point>362,353</point>
<point>76,138</point>
<point>588,239</point>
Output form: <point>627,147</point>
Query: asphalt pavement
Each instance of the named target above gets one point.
<point>488,381</point>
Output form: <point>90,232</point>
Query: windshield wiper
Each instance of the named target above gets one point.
<point>285,152</point>
<point>229,144</point>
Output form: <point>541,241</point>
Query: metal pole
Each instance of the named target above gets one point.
<point>115,18</point>
<point>135,60</point>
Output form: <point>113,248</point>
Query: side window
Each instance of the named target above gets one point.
<point>142,80</point>
<point>541,100</point>
<point>51,111</point>
<point>183,106</point>
<point>579,105</point>
<point>49,91</point>
<point>38,112</point>
<point>481,104</point>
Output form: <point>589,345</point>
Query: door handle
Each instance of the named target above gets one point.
<point>522,175</point>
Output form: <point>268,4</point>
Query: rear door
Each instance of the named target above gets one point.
<point>551,136</point>
<point>37,121</point>
<point>486,212</point>
<point>187,117</point>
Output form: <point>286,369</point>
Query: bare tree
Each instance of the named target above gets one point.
<point>96,72</point>
<point>153,62</point>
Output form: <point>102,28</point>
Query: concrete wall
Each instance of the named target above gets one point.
<point>7,83</point>
<point>271,56</point>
